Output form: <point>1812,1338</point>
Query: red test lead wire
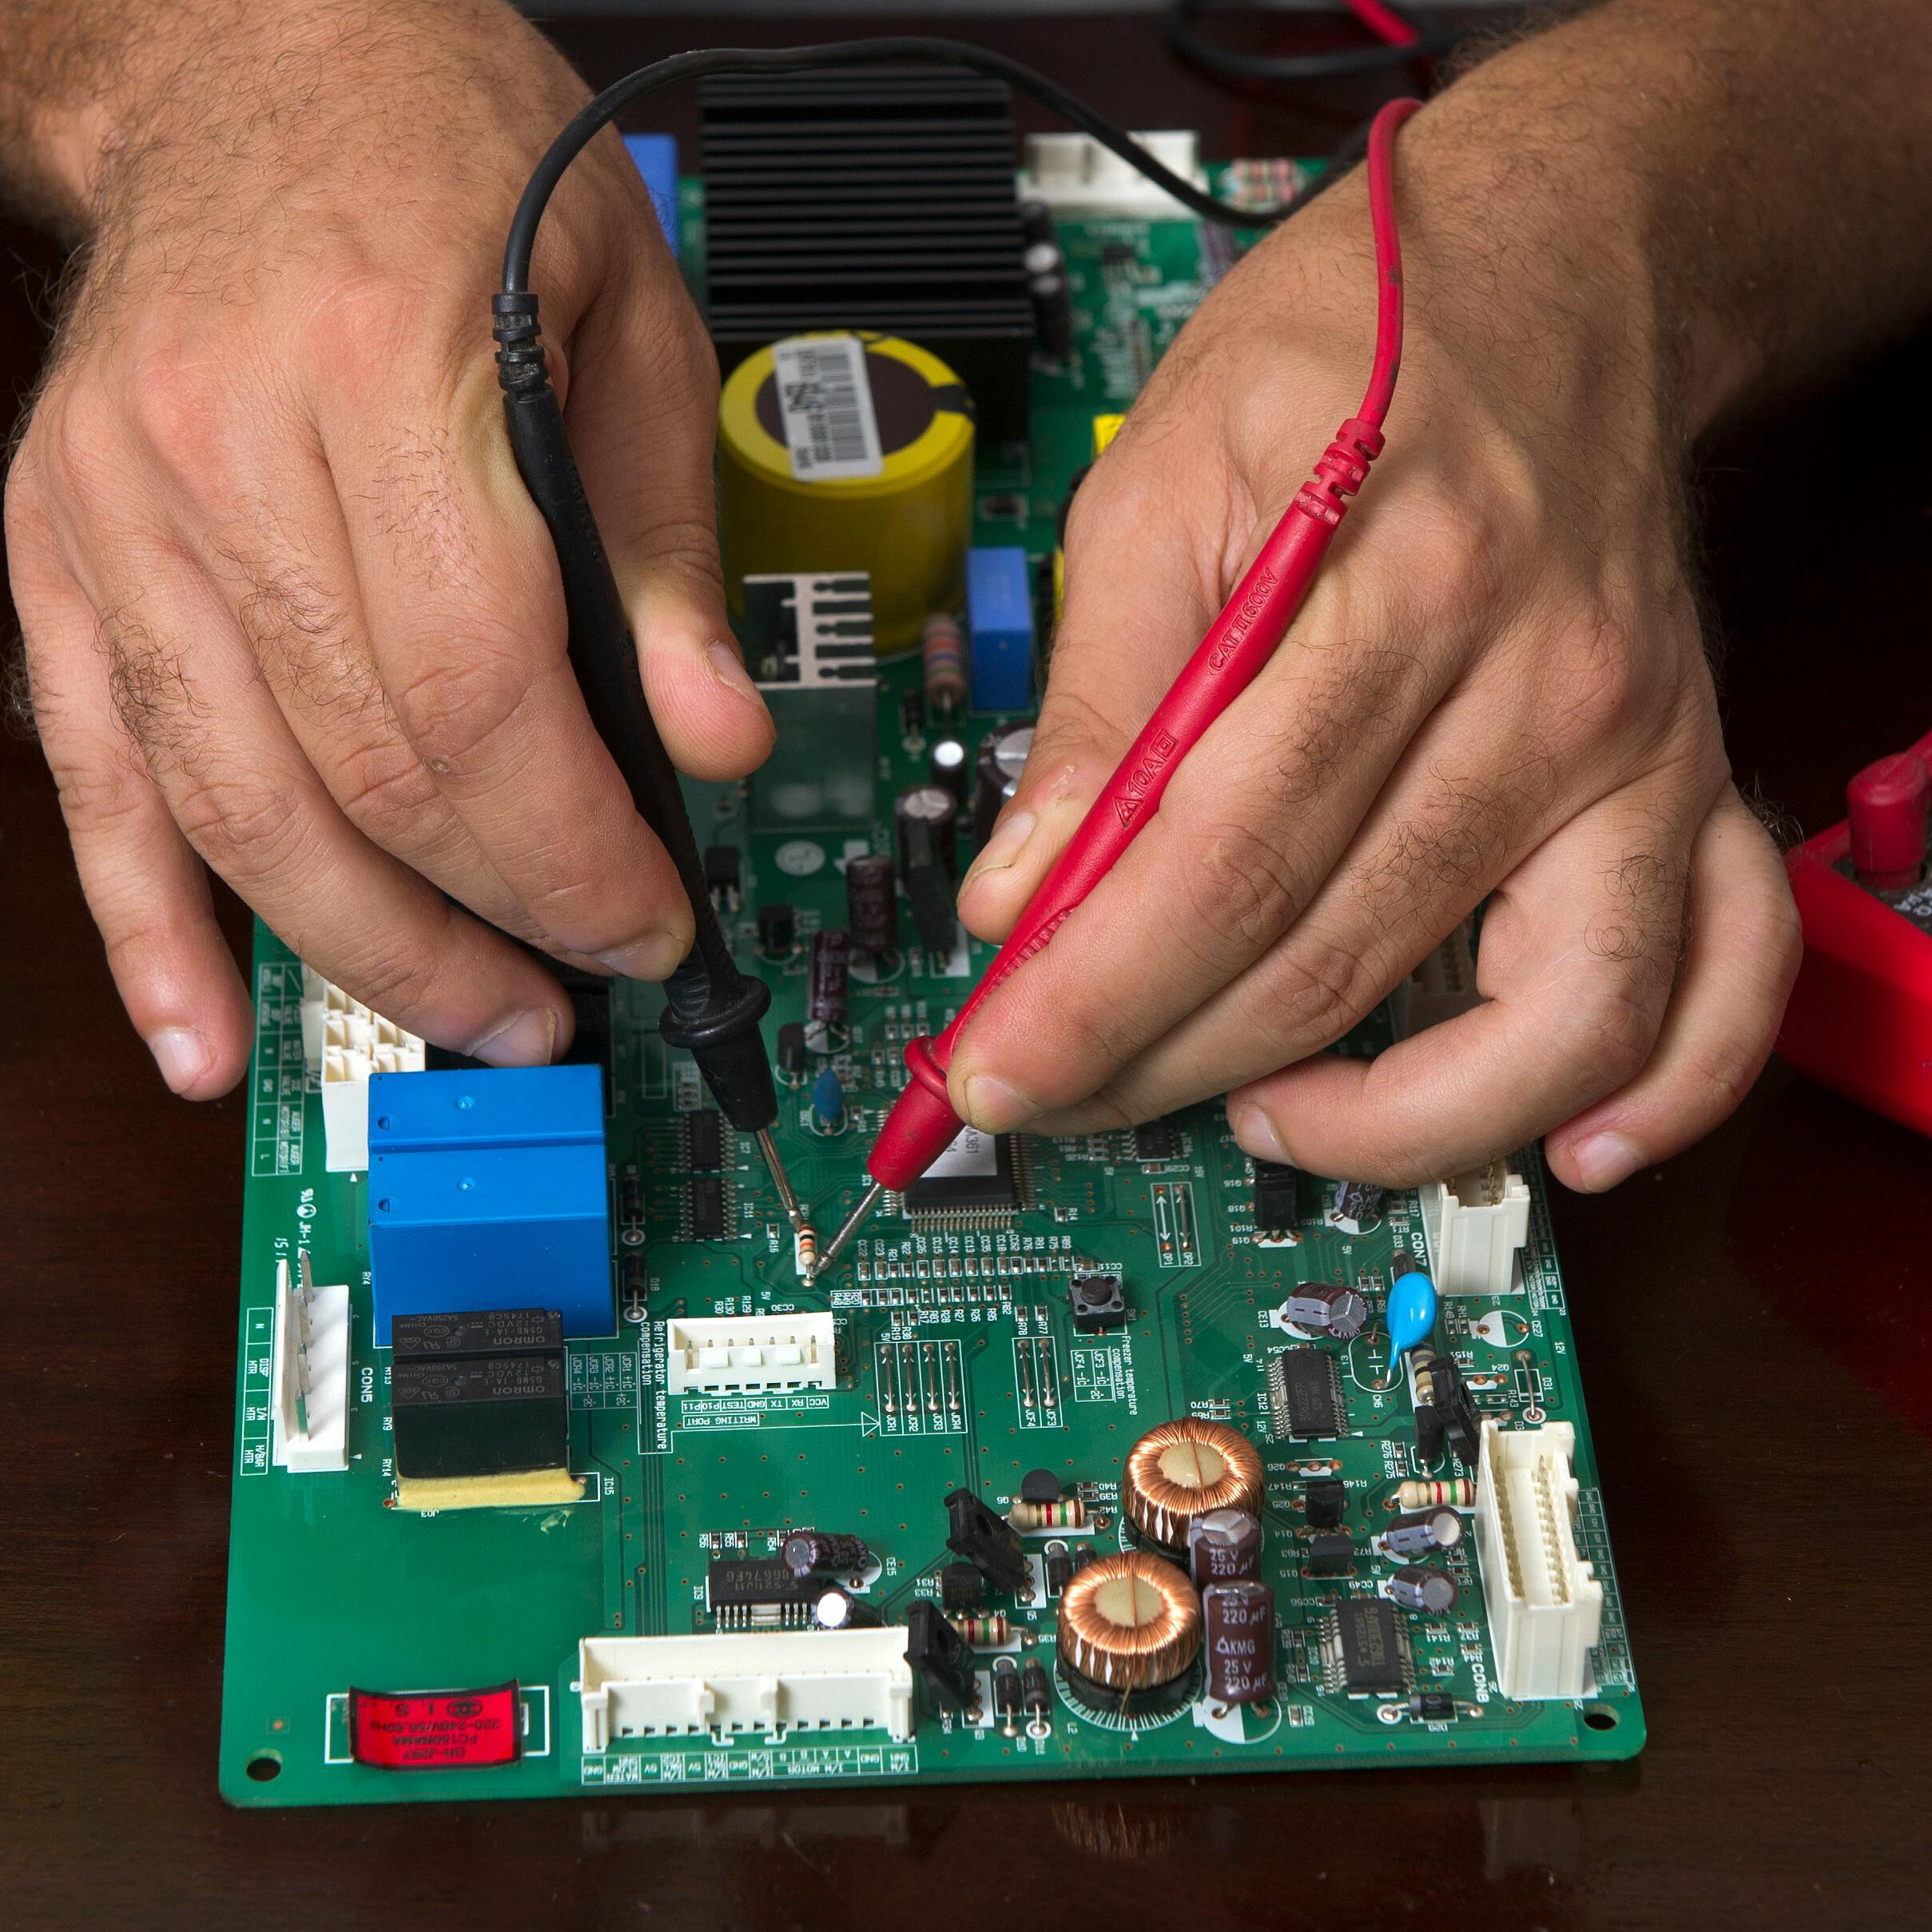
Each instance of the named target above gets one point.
<point>1240,640</point>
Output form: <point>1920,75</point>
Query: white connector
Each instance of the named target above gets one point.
<point>751,1354</point>
<point>1475,1223</point>
<point>1074,175</point>
<point>1442,987</point>
<point>730,1681</point>
<point>349,1042</point>
<point>309,1372</point>
<point>1546,1607</point>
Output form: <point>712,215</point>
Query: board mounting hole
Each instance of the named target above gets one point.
<point>265,1766</point>
<point>1598,1719</point>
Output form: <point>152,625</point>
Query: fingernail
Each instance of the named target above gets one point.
<point>1602,1160</point>
<point>994,1107</point>
<point>183,1056</point>
<point>654,957</point>
<point>729,669</point>
<point>1001,850</point>
<point>525,1041</point>
<point>1255,1133</point>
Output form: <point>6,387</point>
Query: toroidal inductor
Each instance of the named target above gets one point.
<point>1181,1470</point>
<point>1129,1622</point>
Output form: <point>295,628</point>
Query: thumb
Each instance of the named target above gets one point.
<point>642,411</point>
<point>1140,590</point>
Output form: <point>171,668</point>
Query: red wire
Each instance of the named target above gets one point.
<point>1384,22</point>
<point>1239,642</point>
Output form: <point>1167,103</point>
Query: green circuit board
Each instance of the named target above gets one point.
<point>957,1363</point>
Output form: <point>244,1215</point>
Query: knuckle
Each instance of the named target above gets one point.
<point>396,982</point>
<point>243,826</point>
<point>1312,994</point>
<point>1606,1039</point>
<point>384,790</point>
<point>452,712</point>
<point>1241,888</point>
<point>177,405</point>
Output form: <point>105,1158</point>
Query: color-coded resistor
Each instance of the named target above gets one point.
<point>1069,1512</point>
<point>942,648</point>
<point>987,1631</point>
<point>828,1102</point>
<point>1458,1492</point>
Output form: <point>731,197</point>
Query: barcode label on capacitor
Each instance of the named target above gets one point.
<point>824,397</point>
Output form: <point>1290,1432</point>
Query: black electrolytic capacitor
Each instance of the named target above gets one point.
<point>1223,1545</point>
<point>871,903</point>
<point>818,1553</point>
<point>927,820</point>
<point>1326,1308</point>
<point>792,1049</point>
<point>1003,757</point>
<point>836,1609</point>
<point>827,975</point>
<point>1423,1530</point>
<point>1416,1588</point>
<point>1238,1640</point>
<point>777,927</point>
<point>947,764</point>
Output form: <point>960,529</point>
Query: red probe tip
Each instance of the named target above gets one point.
<point>1886,804</point>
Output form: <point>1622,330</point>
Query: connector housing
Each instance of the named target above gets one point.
<point>348,1042</point>
<point>1546,1607</point>
<point>1442,987</point>
<point>749,1354</point>
<point>1074,175</point>
<point>309,1373</point>
<point>736,1681</point>
<point>1475,1223</point>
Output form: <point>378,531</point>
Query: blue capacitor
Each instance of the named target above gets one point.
<point>1411,1314</point>
<point>828,1101</point>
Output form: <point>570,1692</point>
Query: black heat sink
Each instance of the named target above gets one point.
<point>863,199</point>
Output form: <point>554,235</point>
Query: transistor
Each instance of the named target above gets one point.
<point>987,1541</point>
<point>1447,1417</point>
<point>1238,1640</point>
<point>872,904</point>
<point>1331,1552</point>
<point>721,876</point>
<point>961,1589</point>
<point>939,1653</point>
<point>1323,1501</point>
<point>1039,1486</point>
<point>1275,1203</point>
<point>704,1140</point>
<point>792,1061</point>
<point>777,929</point>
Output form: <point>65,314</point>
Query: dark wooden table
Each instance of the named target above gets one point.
<point>1751,1319</point>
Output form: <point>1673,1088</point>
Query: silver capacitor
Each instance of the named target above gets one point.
<point>1423,1530</point>
<point>1414,1587</point>
<point>1003,757</point>
<point>1327,1309</point>
<point>1222,1546</point>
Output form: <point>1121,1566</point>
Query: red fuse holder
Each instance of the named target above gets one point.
<point>435,1730</point>
<point>1860,1017</point>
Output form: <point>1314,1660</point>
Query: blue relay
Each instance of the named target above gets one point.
<point>656,156</point>
<point>999,618</point>
<point>487,1190</point>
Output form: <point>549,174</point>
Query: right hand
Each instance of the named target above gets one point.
<point>288,609</point>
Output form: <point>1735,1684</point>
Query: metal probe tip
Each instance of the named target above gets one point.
<point>775,1167</point>
<point>868,1201</point>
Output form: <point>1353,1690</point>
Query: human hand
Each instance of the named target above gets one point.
<point>288,609</point>
<point>1496,689</point>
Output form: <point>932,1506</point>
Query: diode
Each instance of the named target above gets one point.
<point>872,904</point>
<point>1006,1696</point>
<point>792,1061</point>
<point>1036,1697</point>
<point>828,1102</point>
<point>1058,1564</point>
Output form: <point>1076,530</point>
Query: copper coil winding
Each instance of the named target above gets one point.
<point>1130,1621</point>
<point>1182,1469</point>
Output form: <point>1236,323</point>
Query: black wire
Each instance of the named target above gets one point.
<point>620,94</point>
<point>1230,64</point>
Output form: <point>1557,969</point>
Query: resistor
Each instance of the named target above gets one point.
<point>942,650</point>
<point>1069,1512</point>
<point>987,1631</point>
<point>804,1242</point>
<point>1036,1697</point>
<point>1006,1696</point>
<point>1457,1492</point>
<point>871,903</point>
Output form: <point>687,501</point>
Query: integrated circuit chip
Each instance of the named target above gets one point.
<point>1305,1396</point>
<point>1365,1650</point>
<point>704,1140</point>
<point>974,1174</point>
<point>709,1216</point>
<point>756,1593</point>
<point>1157,1140</point>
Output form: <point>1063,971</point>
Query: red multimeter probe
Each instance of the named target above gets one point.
<point>1860,1018</point>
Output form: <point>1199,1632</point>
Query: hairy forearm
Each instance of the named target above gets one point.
<point>1758,178</point>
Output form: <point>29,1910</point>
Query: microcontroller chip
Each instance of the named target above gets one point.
<point>975,1173</point>
<point>705,1141</point>
<point>707,1210</point>
<point>1363,1650</point>
<point>756,1593</point>
<point>1304,1396</point>
<point>1157,1140</point>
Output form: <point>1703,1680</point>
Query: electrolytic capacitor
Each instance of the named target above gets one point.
<point>836,1609</point>
<point>828,1101</point>
<point>1416,1587</point>
<point>1223,1545</point>
<point>818,1553</point>
<point>1003,757</point>
<point>871,903</point>
<point>827,973</point>
<point>1327,1309</point>
<point>947,765</point>
<point>1424,1530</point>
<point>942,648</point>
<point>1238,1640</point>
<point>791,1060</point>
<point>1052,299</point>
<point>1036,1697</point>
<point>926,819</point>
<point>1036,222</point>
<point>1006,1694</point>
<point>777,927</point>
<point>1354,1204</point>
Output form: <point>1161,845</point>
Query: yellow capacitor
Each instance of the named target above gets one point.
<point>849,451</point>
